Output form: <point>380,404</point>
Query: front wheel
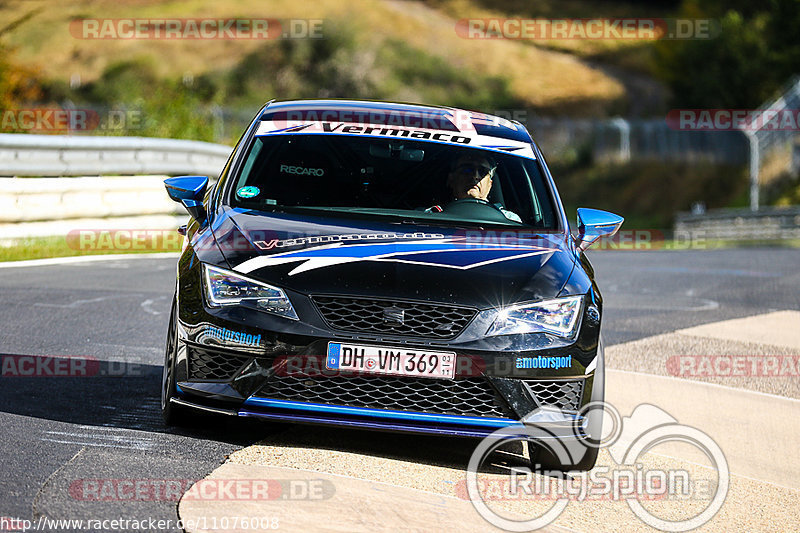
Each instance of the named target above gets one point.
<point>580,454</point>
<point>579,457</point>
<point>173,414</point>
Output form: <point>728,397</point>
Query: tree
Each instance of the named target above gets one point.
<point>756,50</point>
<point>18,84</point>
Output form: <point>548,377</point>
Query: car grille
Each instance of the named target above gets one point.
<point>211,365</point>
<point>564,394</point>
<point>467,397</point>
<point>368,315</point>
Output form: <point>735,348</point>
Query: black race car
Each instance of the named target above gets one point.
<point>387,266</point>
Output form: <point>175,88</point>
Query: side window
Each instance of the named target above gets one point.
<point>247,168</point>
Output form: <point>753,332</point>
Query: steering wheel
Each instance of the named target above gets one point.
<point>474,208</point>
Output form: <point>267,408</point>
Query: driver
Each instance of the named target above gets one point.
<point>471,177</point>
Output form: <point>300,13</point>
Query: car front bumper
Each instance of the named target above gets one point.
<point>243,361</point>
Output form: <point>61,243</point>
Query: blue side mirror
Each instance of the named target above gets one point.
<point>593,224</point>
<point>189,190</point>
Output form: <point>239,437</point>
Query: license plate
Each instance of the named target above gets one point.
<point>391,361</point>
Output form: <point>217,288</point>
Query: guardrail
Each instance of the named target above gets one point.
<point>53,155</point>
<point>771,223</point>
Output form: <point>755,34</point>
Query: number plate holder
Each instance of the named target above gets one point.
<point>393,361</point>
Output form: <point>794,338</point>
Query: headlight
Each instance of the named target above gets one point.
<point>224,287</point>
<point>558,316</point>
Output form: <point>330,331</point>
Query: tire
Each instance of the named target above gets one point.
<point>585,458</point>
<point>172,414</point>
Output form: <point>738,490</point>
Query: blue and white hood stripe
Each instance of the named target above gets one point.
<point>455,253</point>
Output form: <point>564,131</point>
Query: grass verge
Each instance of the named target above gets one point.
<point>58,246</point>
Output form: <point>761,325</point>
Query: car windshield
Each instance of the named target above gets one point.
<point>414,181</point>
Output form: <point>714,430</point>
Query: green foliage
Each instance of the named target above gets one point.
<point>19,84</point>
<point>649,193</point>
<point>303,68</point>
<point>339,66</point>
<point>436,81</point>
<point>173,108</point>
<point>782,29</point>
<point>784,190</point>
<point>756,51</point>
<point>572,8</point>
<point>123,81</point>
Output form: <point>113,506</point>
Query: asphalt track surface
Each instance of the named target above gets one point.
<point>58,432</point>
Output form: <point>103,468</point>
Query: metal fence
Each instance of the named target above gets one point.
<point>625,140</point>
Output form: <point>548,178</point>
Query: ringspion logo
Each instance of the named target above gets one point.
<point>631,478</point>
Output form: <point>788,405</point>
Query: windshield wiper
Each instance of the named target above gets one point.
<point>437,224</point>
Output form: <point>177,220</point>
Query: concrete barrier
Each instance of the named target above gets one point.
<point>43,199</point>
<point>769,223</point>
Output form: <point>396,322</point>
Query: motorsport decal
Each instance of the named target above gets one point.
<point>544,362</point>
<point>227,335</point>
<point>432,252</point>
<point>466,136</point>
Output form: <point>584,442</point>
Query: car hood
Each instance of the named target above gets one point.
<point>325,255</point>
